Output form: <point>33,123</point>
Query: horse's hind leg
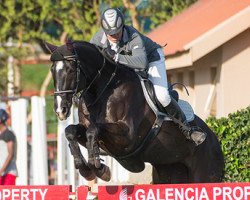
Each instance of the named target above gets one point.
<point>73,134</point>
<point>206,169</point>
<point>207,163</point>
<point>172,173</point>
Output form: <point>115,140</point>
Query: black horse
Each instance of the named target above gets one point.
<point>115,117</point>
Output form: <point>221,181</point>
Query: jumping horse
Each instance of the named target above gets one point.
<point>114,117</point>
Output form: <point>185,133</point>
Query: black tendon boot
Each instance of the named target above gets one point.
<point>193,133</point>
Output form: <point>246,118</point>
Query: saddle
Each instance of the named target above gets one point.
<point>153,102</point>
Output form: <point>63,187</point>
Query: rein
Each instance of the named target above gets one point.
<point>110,79</point>
<point>99,72</point>
<point>98,75</point>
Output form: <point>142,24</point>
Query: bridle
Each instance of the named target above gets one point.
<point>78,71</point>
<point>74,91</point>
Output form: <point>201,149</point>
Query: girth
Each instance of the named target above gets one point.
<point>149,137</point>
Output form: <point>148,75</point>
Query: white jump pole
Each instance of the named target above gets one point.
<point>39,142</point>
<point>81,180</point>
<point>64,157</point>
<point>19,126</point>
<point>61,152</point>
<point>70,164</point>
<point>65,161</point>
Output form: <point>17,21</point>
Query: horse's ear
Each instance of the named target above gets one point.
<point>50,47</point>
<point>69,44</point>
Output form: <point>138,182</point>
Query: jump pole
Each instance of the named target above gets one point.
<point>19,126</point>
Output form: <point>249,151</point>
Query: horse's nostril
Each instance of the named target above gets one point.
<point>64,109</point>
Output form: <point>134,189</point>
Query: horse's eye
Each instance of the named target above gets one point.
<point>72,62</point>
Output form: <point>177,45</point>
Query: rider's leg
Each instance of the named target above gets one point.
<point>157,74</point>
<point>193,133</point>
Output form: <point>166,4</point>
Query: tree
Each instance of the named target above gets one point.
<point>145,15</point>
<point>22,22</point>
<point>152,13</point>
<point>30,22</point>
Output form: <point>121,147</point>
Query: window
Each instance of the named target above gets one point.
<point>213,106</point>
<point>170,78</point>
<point>179,80</point>
<point>213,71</point>
<point>191,79</point>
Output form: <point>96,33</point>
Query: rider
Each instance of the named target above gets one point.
<point>125,45</point>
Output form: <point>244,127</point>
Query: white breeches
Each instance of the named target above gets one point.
<point>157,74</point>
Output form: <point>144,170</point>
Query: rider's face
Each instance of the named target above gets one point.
<point>115,38</point>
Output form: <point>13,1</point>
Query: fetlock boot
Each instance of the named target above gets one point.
<point>193,133</point>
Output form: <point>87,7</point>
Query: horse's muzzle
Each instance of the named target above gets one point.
<point>63,113</point>
<point>62,108</point>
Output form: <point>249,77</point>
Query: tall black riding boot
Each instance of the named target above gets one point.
<point>191,132</point>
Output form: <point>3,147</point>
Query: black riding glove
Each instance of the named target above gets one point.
<point>110,52</point>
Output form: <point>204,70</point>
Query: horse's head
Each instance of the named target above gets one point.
<point>77,66</point>
<point>64,73</point>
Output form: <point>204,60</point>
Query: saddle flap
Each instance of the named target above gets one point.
<point>154,104</point>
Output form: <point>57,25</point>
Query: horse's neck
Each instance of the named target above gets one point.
<point>103,76</point>
<point>107,85</point>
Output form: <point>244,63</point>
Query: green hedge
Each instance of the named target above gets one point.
<point>234,135</point>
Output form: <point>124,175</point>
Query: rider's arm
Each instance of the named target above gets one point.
<point>96,39</point>
<point>138,57</point>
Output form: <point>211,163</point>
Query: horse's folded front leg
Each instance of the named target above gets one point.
<point>101,170</point>
<point>72,133</point>
<point>94,154</point>
<point>93,148</point>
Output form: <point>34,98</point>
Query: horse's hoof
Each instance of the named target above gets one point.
<point>103,173</point>
<point>89,175</point>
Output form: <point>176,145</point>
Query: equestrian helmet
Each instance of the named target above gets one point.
<point>3,116</point>
<point>112,21</point>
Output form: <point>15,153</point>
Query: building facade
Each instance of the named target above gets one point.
<point>209,51</point>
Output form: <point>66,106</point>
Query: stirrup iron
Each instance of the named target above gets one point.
<point>194,133</point>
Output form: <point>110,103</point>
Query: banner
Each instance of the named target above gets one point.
<point>34,192</point>
<point>208,191</point>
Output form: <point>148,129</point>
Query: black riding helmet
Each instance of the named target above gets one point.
<point>3,116</point>
<point>112,21</point>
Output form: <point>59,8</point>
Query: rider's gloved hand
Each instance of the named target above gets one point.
<point>110,52</point>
